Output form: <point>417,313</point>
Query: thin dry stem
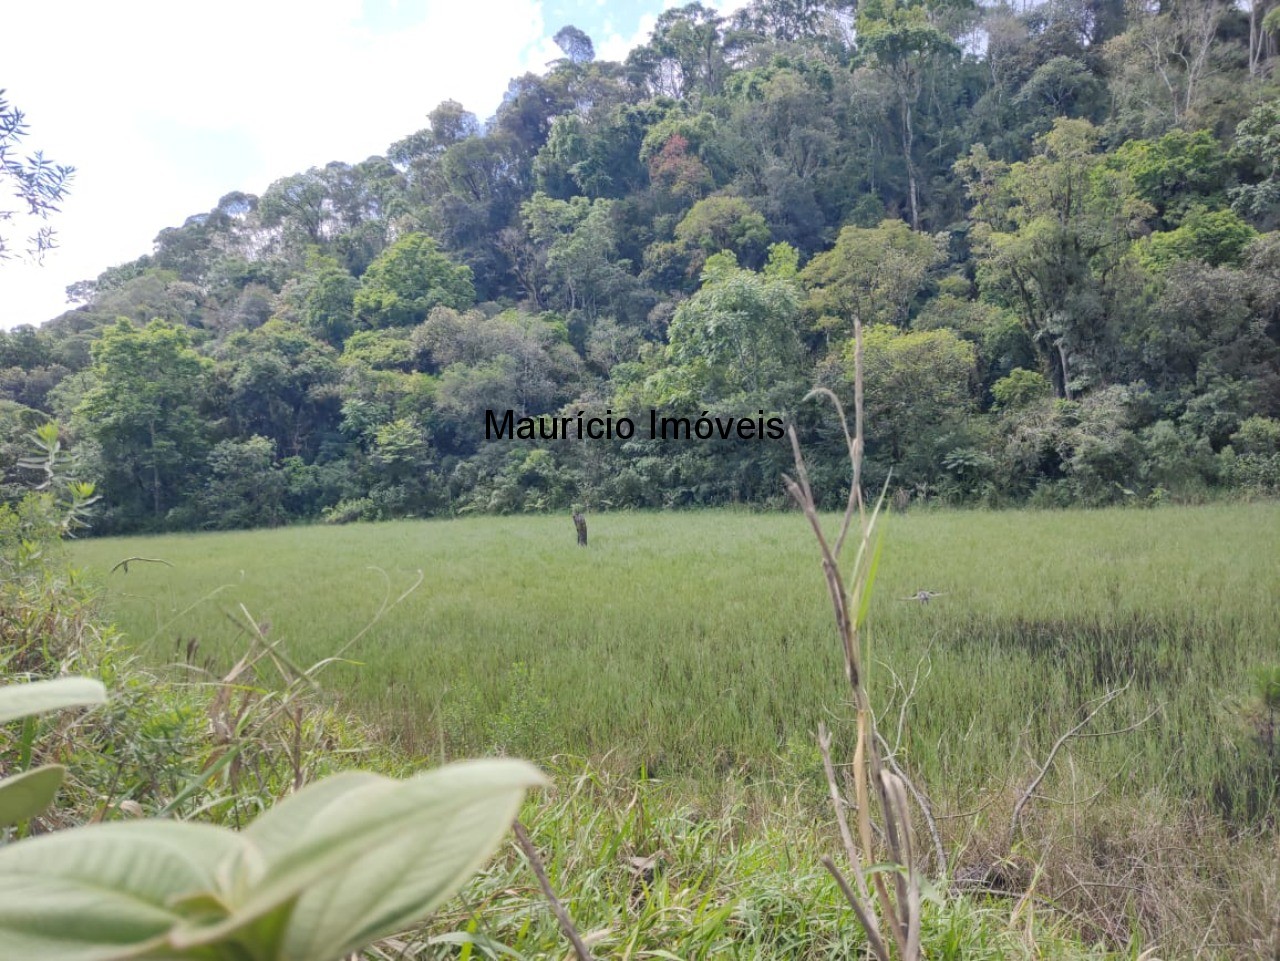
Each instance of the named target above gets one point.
<point>851,850</point>
<point>566,923</point>
<point>922,802</point>
<point>900,911</point>
<point>867,920</point>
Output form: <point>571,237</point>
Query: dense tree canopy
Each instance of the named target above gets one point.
<point>1056,224</point>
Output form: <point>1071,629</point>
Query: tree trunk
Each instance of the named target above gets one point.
<point>912,193</point>
<point>155,470</point>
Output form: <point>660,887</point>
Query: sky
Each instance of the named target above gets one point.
<point>165,107</point>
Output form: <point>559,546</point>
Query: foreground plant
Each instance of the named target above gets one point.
<point>335,867</point>
<point>29,794</point>
<point>899,910</point>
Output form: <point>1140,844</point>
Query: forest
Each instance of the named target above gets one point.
<point>1055,224</point>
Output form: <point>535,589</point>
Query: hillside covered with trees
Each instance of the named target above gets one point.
<point>1057,224</point>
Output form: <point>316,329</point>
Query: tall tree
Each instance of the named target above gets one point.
<point>142,409</point>
<point>740,332</point>
<point>577,46</point>
<point>902,40</point>
<point>1051,233</point>
<point>575,248</point>
<point>685,56</point>
<point>872,274</point>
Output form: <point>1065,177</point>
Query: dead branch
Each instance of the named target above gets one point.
<point>866,919</point>
<point>838,802</point>
<point>138,560</point>
<point>566,923</point>
<point>1015,822</point>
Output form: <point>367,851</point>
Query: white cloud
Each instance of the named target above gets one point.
<point>616,46</point>
<point>165,107</point>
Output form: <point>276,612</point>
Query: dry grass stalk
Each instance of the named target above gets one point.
<point>899,911</point>
<point>562,916</point>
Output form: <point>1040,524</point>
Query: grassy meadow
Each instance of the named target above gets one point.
<point>696,646</point>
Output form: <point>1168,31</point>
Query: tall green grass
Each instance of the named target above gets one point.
<point>694,645</point>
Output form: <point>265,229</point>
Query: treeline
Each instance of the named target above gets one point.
<point>1055,222</point>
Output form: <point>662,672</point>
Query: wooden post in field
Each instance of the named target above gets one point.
<point>580,523</point>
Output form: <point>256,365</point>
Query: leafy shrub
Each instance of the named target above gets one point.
<point>1020,388</point>
<point>26,795</point>
<point>1257,435</point>
<point>348,510</point>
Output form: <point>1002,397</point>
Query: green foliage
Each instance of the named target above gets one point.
<point>379,349</point>
<point>1257,149</point>
<point>326,296</point>
<point>1051,233</point>
<point>871,274</point>
<point>59,471</point>
<point>1257,435</point>
<point>336,866</point>
<point>246,487</point>
<point>1175,171</point>
<point>1218,238</point>
<point>725,223</point>
<point>1020,389</point>
<point>279,383</point>
<point>625,839</point>
<point>897,33</point>
<point>142,409</point>
<point>39,185</point>
<point>407,281</point>
<point>1086,194</point>
<point>916,390</point>
<point>578,268</point>
<point>738,334</point>
<point>28,794</point>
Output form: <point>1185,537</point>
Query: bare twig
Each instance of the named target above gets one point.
<point>566,923</point>
<point>910,694</point>
<point>1015,822</point>
<point>866,919</point>
<point>138,560</point>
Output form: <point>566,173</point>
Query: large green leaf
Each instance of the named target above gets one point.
<point>107,891</point>
<point>453,816</point>
<point>285,825</point>
<point>463,815</point>
<point>41,697</point>
<point>331,869</point>
<point>28,794</point>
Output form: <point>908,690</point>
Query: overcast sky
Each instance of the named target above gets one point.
<point>164,107</point>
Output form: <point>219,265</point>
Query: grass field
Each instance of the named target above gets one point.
<point>696,645</point>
